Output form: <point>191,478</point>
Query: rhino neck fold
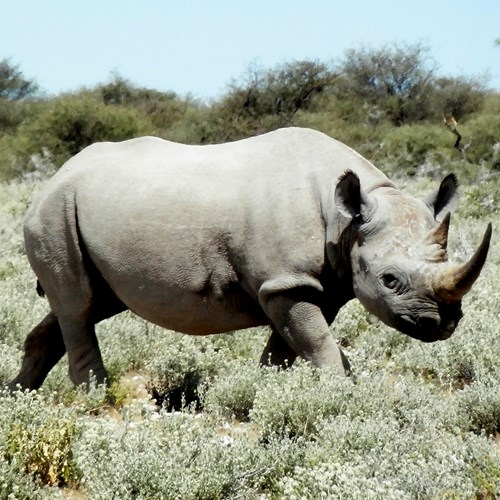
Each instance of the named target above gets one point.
<point>338,263</point>
<point>370,185</point>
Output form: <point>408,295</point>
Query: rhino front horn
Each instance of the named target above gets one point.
<point>454,283</point>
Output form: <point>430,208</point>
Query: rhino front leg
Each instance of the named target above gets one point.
<point>43,348</point>
<point>304,328</point>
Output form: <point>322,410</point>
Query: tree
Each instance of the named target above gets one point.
<point>399,83</point>
<point>268,99</point>
<point>394,79</point>
<point>162,108</point>
<point>13,88</point>
<point>456,97</point>
<point>13,85</point>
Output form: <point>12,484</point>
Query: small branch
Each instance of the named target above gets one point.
<point>451,123</point>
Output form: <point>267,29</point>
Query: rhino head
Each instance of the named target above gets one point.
<point>398,257</point>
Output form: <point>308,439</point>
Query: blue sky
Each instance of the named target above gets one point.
<point>197,47</point>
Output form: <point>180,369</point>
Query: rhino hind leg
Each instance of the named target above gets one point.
<point>84,355</point>
<point>43,348</point>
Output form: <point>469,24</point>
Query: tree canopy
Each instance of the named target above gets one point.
<point>13,85</point>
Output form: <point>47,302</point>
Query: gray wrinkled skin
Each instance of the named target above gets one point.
<point>207,239</point>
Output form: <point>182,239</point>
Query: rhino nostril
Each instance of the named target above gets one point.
<point>449,326</point>
<point>429,321</point>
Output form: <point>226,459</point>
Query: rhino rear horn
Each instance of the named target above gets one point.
<point>439,234</point>
<point>453,284</point>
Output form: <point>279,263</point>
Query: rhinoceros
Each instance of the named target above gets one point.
<point>281,229</point>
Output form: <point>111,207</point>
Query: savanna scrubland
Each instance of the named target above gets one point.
<point>188,417</point>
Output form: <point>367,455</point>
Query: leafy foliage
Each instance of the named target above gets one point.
<point>395,81</point>
<point>163,109</point>
<point>15,94</point>
<point>13,85</point>
<point>267,99</point>
<point>399,83</point>
<point>64,127</point>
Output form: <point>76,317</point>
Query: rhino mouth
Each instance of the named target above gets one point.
<point>430,327</point>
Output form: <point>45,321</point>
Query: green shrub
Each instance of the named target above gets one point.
<point>163,109</point>
<point>181,369</point>
<point>267,99</point>
<point>232,393</point>
<point>293,403</point>
<point>63,128</point>
<point>479,406</point>
<point>37,438</point>
<point>409,149</point>
<point>482,202</point>
<point>458,97</point>
<point>46,450</point>
<point>14,113</point>
<point>481,138</point>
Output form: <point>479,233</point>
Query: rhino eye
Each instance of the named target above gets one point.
<point>390,281</point>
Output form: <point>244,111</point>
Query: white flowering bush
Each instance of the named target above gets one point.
<point>189,417</point>
<point>232,393</point>
<point>379,458</point>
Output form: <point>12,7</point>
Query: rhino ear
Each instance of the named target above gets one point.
<point>350,199</point>
<point>445,199</point>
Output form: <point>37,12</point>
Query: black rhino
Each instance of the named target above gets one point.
<point>281,229</point>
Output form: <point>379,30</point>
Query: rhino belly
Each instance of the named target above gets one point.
<point>177,287</point>
<point>194,313</point>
